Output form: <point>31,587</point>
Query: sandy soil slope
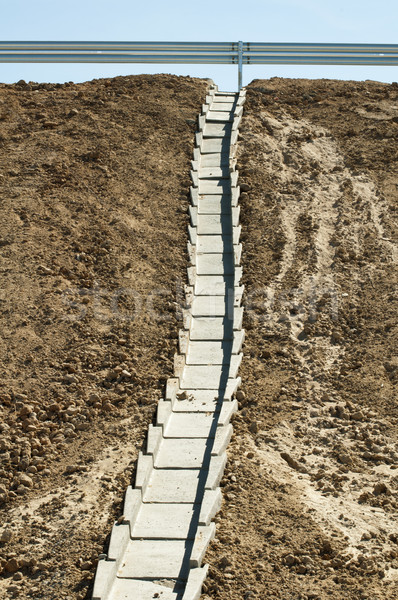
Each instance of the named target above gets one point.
<point>312,484</point>
<point>94,180</point>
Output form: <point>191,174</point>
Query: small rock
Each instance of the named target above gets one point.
<point>244,187</point>
<point>71,469</point>
<point>290,560</point>
<point>357,415</point>
<point>253,427</point>
<point>25,480</point>
<point>11,566</point>
<point>240,395</point>
<point>17,576</point>
<point>344,458</point>
<point>380,488</point>
<point>6,535</point>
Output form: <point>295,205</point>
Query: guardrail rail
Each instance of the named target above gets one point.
<point>235,53</point>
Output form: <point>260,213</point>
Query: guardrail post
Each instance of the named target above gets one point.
<point>240,64</point>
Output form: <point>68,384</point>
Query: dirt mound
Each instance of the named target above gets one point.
<point>94,181</point>
<point>312,484</point>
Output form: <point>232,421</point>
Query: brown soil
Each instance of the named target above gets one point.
<point>94,183</point>
<point>311,490</point>
<point>91,285</point>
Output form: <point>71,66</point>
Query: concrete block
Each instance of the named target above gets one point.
<point>132,503</point>
<point>139,589</point>
<point>213,224</point>
<point>238,110</point>
<point>205,108</point>
<point>213,285</point>
<point>235,196</point>
<point>153,440</point>
<point>238,318</point>
<point>213,186</point>
<point>217,130</point>
<point>120,537</point>
<point>199,139</point>
<point>211,328</point>
<point>196,154</point>
<point>203,538</point>
<point>204,377</point>
<point>236,122</point>
<point>194,193</point>
<point>218,116</point>
<point>156,559</point>
<point>182,453</point>
<point>216,471</point>
<point>189,453</point>
<point>201,122</point>
<point>238,275</point>
<point>211,504</point>
<point>174,485</point>
<point>194,584</point>
<point>215,264</point>
<point>195,178</point>
<point>234,178</point>
<point>212,145</point>
<point>192,234</point>
<point>189,425</point>
<point>172,386</point>
<point>214,353</point>
<point>216,172</point>
<point>179,364</point>
<point>143,471</point>
<point>214,243</point>
<point>218,159</point>
<point>235,216</point>
<point>223,106</point>
<point>232,386</point>
<point>197,401</point>
<point>221,440</point>
<point>228,409</point>
<point>236,230</point>
<point>237,253</point>
<point>183,338</point>
<point>214,306</point>
<point>104,578</point>
<point>193,214</point>
<point>163,412</point>
<point>234,137</point>
<point>165,521</point>
<point>224,97</point>
<point>191,273</point>
<point>214,204</point>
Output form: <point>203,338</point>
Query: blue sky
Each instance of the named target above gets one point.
<point>346,21</point>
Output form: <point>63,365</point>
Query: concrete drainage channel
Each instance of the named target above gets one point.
<point>156,549</point>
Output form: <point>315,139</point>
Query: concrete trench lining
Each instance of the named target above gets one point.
<point>156,550</point>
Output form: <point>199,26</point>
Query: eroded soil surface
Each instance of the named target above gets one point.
<point>311,489</point>
<point>94,181</point>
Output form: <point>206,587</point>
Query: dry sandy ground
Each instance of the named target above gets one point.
<point>89,315</point>
<point>311,491</point>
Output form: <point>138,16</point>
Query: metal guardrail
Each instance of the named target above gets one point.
<point>240,53</point>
